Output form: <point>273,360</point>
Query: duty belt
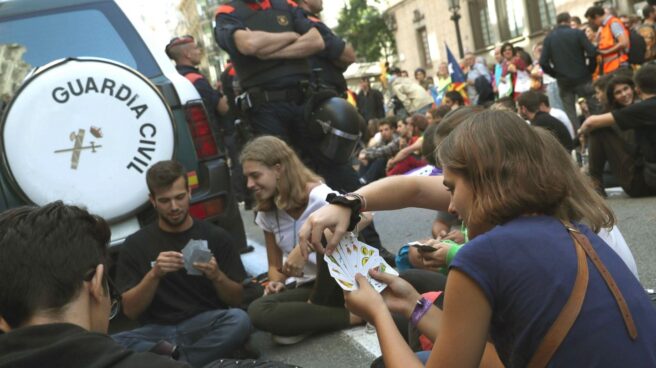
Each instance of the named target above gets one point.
<point>256,96</point>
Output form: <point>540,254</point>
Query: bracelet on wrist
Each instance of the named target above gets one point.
<point>421,308</point>
<point>453,250</point>
<point>363,201</point>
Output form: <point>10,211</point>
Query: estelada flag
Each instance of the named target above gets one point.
<point>458,80</point>
<point>351,97</point>
<point>383,74</point>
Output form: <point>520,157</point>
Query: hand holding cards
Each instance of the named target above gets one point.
<point>352,257</point>
<point>195,251</point>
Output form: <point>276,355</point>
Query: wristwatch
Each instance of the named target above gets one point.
<point>351,202</point>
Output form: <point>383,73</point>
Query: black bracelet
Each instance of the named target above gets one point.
<point>353,204</point>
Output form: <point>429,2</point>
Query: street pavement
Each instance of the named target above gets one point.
<point>637,221</point>
<point>358,347</point>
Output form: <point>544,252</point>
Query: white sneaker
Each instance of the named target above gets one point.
<point>289,340</point>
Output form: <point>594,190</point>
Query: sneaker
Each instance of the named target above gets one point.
<point>289,340</point>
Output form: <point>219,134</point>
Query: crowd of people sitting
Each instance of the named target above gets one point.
<point>524,260</point>
<point>577,71</point>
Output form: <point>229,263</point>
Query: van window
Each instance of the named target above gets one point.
<point>35,40</point>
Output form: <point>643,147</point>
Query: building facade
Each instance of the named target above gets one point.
<point>423,27</point>
<point>197,17</point>
<point>12,67</point>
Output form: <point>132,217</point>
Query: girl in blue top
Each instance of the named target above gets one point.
<point>513,186</point>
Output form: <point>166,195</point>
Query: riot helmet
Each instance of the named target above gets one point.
<point>335,124</point>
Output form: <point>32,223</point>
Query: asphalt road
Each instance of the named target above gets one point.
<point>636,219</point>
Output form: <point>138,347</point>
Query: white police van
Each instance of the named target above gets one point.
<point>88,105</point>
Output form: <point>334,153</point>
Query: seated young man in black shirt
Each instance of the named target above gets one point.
<point>528,107</point>
<point>634,167</point>
<point>190,311</point>
<point>55,297</point>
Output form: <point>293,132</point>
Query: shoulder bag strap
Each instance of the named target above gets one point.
<point>610,282</point>
<point>561,326</point>
<point>559,329</point>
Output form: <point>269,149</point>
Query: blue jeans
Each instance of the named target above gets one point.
<point>373,170</point>
<point>553,94</point>
<point>201,339</point>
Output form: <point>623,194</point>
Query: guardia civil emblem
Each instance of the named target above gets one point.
<point>78,139</point>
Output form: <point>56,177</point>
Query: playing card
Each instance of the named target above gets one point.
<point>352,257</point>
<point>201,256</point>
<point>343,260</point>
<point>366,254</point>
<point>195,249</point>
<point>186,252</point>
<point>345,281</point>
<point>378,262</point>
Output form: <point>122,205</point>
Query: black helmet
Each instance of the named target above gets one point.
<point>335,124</point>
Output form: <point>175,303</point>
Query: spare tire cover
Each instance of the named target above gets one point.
<point>85,131</point>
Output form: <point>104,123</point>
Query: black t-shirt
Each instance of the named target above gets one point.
<point>179,296</point>
<point>68,345</point>
<point>640,116</point>
<point>546,121</point>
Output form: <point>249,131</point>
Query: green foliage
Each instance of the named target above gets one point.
<point>364,27</point>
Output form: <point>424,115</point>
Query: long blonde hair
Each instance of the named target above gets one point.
<point>291,190</point>
<point>515,169</point>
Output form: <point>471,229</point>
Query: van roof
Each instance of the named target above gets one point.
<point>10,8</point>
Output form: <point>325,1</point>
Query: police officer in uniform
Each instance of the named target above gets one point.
<point>187,55</point>
<point>330,64</point>
<point>269,43</point>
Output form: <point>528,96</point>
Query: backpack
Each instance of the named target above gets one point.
<point>637,49</point>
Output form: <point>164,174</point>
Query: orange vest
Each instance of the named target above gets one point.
<point>612,61</point>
